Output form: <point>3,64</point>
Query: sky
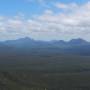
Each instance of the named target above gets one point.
<point>45,19</point>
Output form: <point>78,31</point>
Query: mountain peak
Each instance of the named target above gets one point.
<point>26,38</point>
<point>78,41</point>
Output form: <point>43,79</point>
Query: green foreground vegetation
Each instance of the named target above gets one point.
<point>45,73</point>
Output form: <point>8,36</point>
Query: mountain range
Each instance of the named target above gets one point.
<point>29,46</point>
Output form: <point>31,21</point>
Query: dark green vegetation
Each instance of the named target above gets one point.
<point>44,81</point>
<point>46,63</point>
<point>45,72</point>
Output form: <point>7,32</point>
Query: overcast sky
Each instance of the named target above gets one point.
<point>45,19</point>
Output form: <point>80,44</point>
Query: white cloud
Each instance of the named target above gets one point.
<point>63,25</point>
<point>69,6</point>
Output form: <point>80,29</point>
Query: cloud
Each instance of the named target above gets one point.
<point>67,6</point>
<point>74,22</point>
<point>39,1</point>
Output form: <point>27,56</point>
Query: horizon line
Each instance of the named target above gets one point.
<point>45,40</point>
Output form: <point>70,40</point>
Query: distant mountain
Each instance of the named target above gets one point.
<point>77,41</point>
<point>29,46</point>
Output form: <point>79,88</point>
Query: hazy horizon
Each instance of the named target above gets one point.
<point>44,40</point>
